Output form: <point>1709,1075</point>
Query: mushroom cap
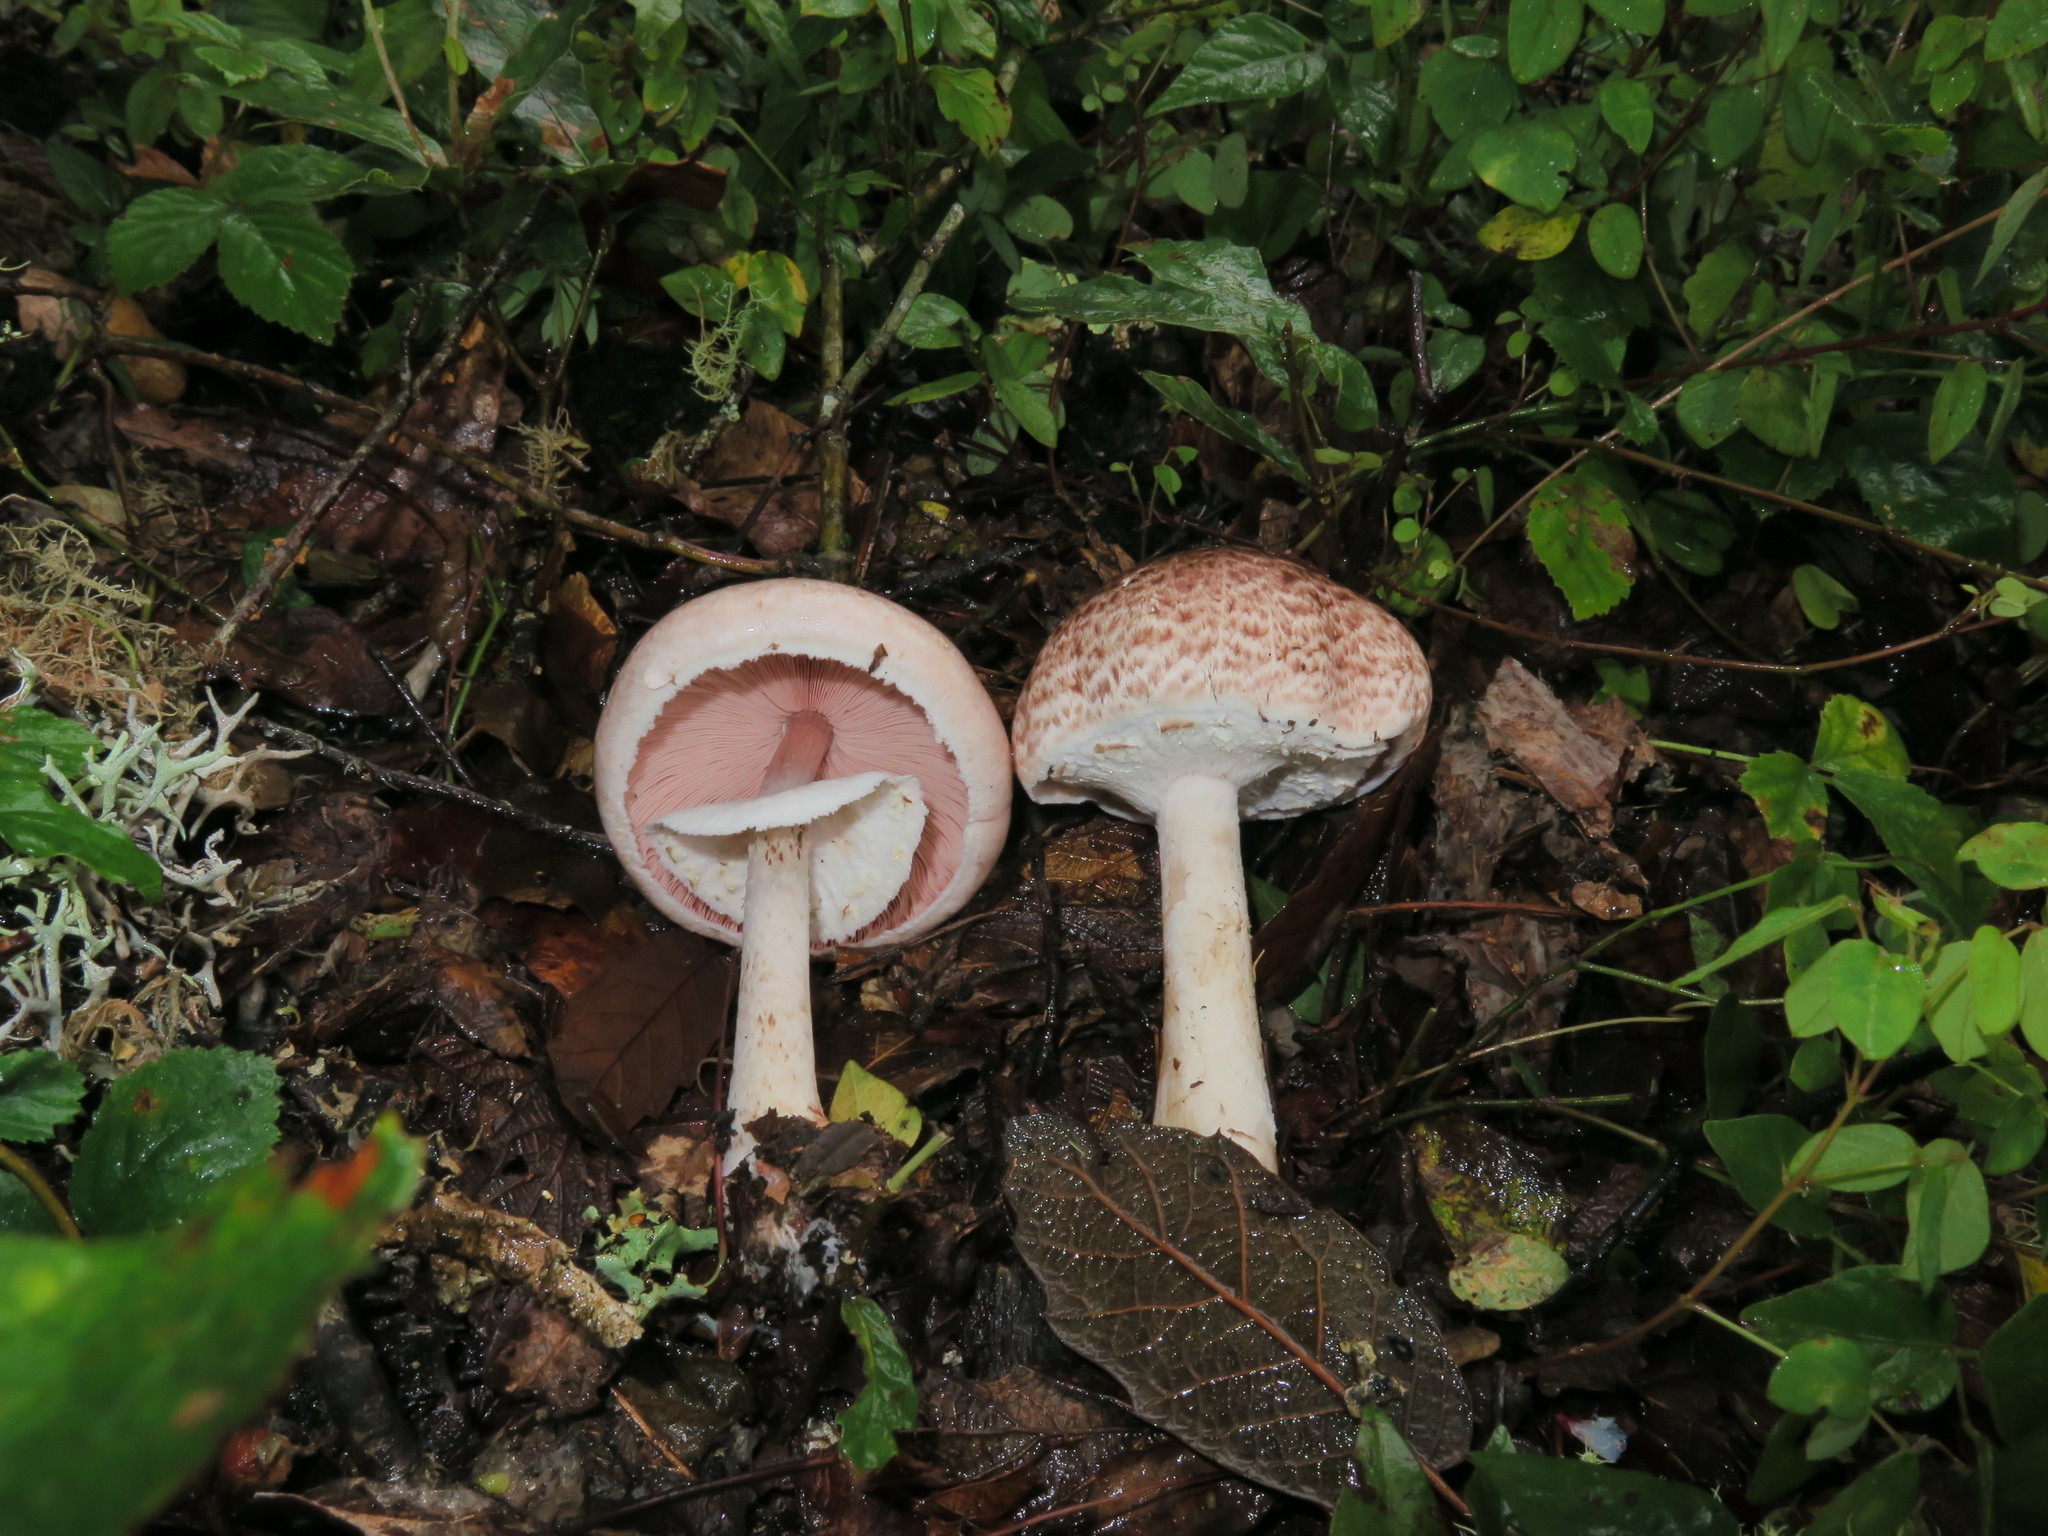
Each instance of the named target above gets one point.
<point>1229,662</point>
<point>697,712</point>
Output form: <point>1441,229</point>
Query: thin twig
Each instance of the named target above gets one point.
<point>482,468</point>
<point>715,1485</point>
<point>397,778</point>
<point>294,543</point>
<point>1680,659</point>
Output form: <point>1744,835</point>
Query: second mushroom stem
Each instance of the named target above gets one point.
<point>1212,1060</point>
<point>774,1063</point>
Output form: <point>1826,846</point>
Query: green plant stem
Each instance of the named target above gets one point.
<point>1648,981</point>
<point>1686,746</point>
<point>1701,1309</point>
<point>38,1186</point>
<point>917,1160</point>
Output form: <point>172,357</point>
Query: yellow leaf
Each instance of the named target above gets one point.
<point>861,1093</point>
<point>1527,236</point>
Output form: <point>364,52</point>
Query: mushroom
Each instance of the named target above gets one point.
<point>1197,690</point>
<point>792,765</point>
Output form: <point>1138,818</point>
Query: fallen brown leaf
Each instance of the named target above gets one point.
<point>640,1030</point>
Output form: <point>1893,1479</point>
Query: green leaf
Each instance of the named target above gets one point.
<point>31,737</point>
<point>39,1091</point>
<point>1784,21</point>
<point>1453,357</point>
<point>861,1094</point>
<point>169,1135</point>
<point>934,321</point>
<point>1714,284</point>
<point>776,283</point>
<point>291,173</point>
<point>1869,1302</point>
<point>2011,219</point>
<point>971,101</point>
<point>1790,795</point>
<point>1357,406</point>
<point>1857,1158</point>
<point>1853,734</point>
<point>1393,1497</point>
<point>1787,408</point>
<point>705,291</point>
<point>938,389</point>
<point>1526,160</point>
<point>1949,1012</point>
<point>1642,16</point>
<point>1772,928</point>
<point>1515,1495</point>
<point>1209,285</point>
<point>1248,58</point>
<point>1733,1048</point>
<point>2013,853</point>
<point>2015,1364</point>
<point>1879,1503</point>
<point>41,828</point>
<point>1823,1375</point>
<point>1958,402</point>
<point>1874,995</point>
<point>888,1402</point>
<point>123,1362</point>
<point>2034,991</point>
<point>1240,428</point>
<point>1393,19</point>
<point>1733,124</point>
<point>2017,28</point>
<point>1994,981</point>
<point>1709,407</point>
<point>1041,219</point>
<point>1541,36</point>
<point>1822,599</point>
<point>1466,95</point>
<point>1616,238</point>
<point>1579,530</point>
<point>281,261</point>
<point>1757,1150</point>
<point>1948,1213</point>
<point>162,234</point>
<point>1628,107</point>
<point>341,111</point>
<point>1922,837</point>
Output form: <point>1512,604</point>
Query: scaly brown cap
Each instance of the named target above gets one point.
<point>1224,661</point>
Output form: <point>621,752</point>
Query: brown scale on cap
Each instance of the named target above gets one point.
<point>1227,625</point>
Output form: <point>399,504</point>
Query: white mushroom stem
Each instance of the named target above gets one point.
<point>774,1063</point>
<point>1212,1061</point>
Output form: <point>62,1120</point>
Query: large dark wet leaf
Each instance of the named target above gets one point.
<point>639,1031</point>
<point>1239,1317</point>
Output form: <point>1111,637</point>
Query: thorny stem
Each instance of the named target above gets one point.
<point>294,543</point>
<point>38,1186</point>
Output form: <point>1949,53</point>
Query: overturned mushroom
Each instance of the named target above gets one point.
<point>1197,690</point>
<point>793,765</point>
